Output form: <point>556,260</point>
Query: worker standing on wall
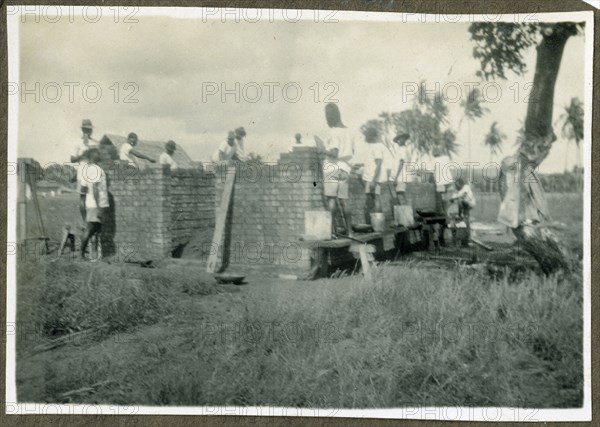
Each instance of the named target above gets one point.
<point>338,151</point>
<point>166,158</point>
<point>240,145</point>
<point>226,150</point>
<point>127,150</point>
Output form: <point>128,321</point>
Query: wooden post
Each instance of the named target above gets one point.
<point>212,266</point>
<point>22,200</point>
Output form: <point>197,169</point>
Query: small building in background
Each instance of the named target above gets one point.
<point>47,189</point>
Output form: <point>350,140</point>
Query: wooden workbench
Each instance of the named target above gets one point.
<point>328,256</point>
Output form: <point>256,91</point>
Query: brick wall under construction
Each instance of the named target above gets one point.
<point>266,217</point>
<point>155,211</point>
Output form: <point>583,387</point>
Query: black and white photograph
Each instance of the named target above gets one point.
<point>299,213</point>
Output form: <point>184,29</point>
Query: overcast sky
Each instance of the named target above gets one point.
<point>168,65</point>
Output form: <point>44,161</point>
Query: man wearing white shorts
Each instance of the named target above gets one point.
<point>339,150</point>
<point>444,181</point>
<point>96,202</point>
<point>81,158</point>
<point>396,163</point>
<point>373,173</point>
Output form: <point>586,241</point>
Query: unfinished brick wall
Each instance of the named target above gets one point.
<point>266,218</point>
<point>154,211</point>
<point>192,200</point>
<point>157,211</point>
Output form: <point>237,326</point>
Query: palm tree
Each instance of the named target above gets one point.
<point>494,140</point>
<point>448,143</point>
<point>473,109</point>
<point>572,128</point>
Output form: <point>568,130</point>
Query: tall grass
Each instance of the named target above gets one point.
<point>65,297</point>
<point>405,337</point>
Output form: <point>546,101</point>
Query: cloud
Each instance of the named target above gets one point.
<point>172,67</point>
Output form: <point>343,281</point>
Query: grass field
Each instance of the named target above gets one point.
<point>410,335</point>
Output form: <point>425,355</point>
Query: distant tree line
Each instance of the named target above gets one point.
<point>564,182</point>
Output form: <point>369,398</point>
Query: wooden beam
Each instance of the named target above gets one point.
<point>213,260</point>
<point>22,200</point>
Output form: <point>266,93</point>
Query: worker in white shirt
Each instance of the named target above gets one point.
<point>81,158</point>
<point>396,173</point>
<point>337,165</point>
<point>240,142</point>
<point>226,149</point>
<point>373,173</point>
<point>466,201</point>
<point>444,181</point>
<point>96,203</point>
<point>127,150</point>
<point>166,158</point>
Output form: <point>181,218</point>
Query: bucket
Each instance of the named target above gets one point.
<point>403,215</point>
<point>378,222</point>
<point>317,225</point>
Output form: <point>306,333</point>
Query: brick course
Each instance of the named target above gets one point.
<point>155,210</point>
<point>268,205</point>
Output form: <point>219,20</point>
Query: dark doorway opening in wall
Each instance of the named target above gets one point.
<point>178,251</point>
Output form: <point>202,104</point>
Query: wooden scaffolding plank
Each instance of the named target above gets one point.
<point>221,220</point>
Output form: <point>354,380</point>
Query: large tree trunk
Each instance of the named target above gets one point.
<point>528,202</point>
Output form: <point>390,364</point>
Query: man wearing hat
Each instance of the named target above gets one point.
<point>81,158</point>
<point>166,158</point>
